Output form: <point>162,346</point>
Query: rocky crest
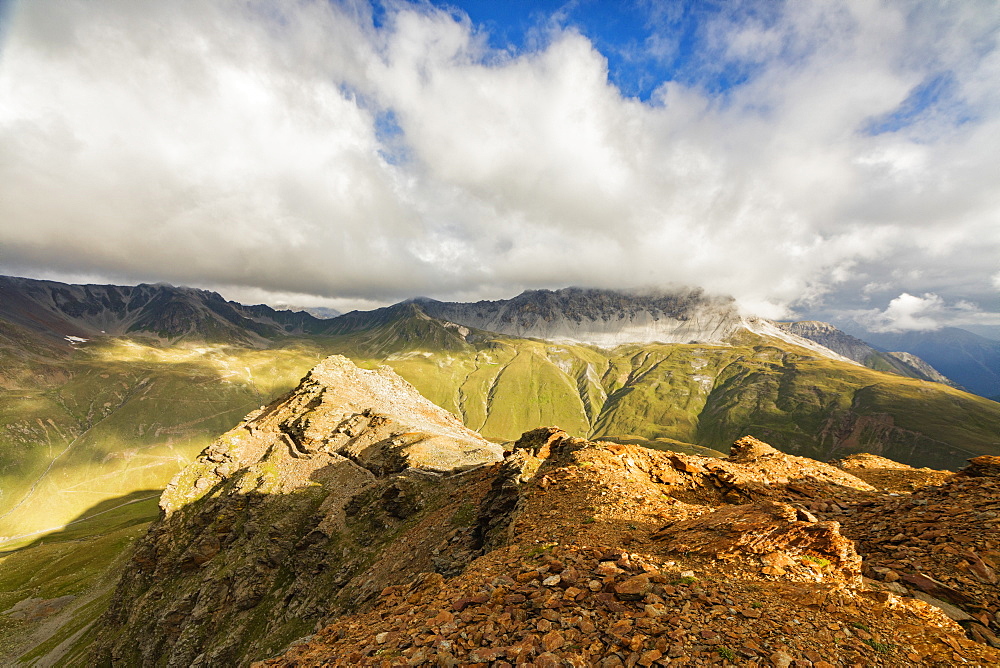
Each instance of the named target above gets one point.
<point>280,520</point>
<point>325,530</point>
<point>853,348</point>
<point>601,317</point>
<point>613,555</point>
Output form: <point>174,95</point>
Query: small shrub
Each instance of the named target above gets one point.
<point>726,653</point>
<point>540,549</point>
<point>861,625</point>
<point>819,561</point>
<point>465,515</point>
<point>686,580</point>
<point>880,647</point>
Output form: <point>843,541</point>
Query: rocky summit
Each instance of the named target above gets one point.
<point>352,522</point>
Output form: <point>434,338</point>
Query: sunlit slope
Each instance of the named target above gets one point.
<point>113,417</point>
<point>78,426</point>
<point>707,395</point>
<point>76,570</point>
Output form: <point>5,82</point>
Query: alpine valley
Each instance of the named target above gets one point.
<point>189,481</point>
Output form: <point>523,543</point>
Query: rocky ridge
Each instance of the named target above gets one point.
<point>278,521</point>
<point>613,555</point>
<point>971,360</point>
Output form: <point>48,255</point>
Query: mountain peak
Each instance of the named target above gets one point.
<point>600,317</point>
<point>853,348</point>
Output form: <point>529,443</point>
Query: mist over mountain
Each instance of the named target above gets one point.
<point>601,317</point>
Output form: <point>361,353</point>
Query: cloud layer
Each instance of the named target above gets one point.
<point>296,148</point>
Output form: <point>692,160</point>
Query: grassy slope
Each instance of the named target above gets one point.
<point>117,416</point>
<point>82,561</point>
<point>114,417</point>
<point>86,427</point>
<point>679,395</point>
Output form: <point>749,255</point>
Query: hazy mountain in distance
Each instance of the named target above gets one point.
<point>902,363</point>
<point>970,360</point>
<point>321,312</point>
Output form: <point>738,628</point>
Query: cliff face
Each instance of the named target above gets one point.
<point>287,517</point>
<point>600,317</point>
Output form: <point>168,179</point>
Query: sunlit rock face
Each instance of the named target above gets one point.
<point>277,518</point>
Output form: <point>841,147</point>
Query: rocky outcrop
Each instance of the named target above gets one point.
<point>615,555</point>
<point>777,533</point>
<point>287,517</point>
<point>939,543</point>
<point>921,369</point>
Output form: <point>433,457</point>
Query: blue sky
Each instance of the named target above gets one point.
<point>646,43</point>
<point>827,157</point>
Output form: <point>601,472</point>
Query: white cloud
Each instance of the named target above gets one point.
<point>908,312</point>
<point>297,149</point>
<point>928,312</point>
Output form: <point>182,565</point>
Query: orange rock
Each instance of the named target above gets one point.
<point>553,640</point>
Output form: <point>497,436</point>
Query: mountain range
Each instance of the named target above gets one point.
<point>107,393</point>
<point>58,310</point>
<point>970,360</point>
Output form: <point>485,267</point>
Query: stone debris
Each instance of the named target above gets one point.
<point>630,557</point>
<point>34,609</point>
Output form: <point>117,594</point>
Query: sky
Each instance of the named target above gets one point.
<point>829,158</point>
